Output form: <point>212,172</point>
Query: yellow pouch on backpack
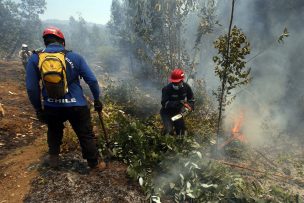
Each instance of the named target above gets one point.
<point>52,69</point>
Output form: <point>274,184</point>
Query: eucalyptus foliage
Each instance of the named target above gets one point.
<point>151,33</point>
<point>19,24</point>
<point>231,69</point>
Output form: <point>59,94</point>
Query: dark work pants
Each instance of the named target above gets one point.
<point>178,125</point>
<point>80,119</point>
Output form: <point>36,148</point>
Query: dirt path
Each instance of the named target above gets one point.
<point>19,148</point>
<point>18,127</point>
<point>16,173</point>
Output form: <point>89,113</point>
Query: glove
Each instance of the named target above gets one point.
<point>41,116</point>
<point>98,105</point>
<point>187,106</point>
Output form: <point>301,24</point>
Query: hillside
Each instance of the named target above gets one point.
<point>271,172</point>
<point>23,148</point>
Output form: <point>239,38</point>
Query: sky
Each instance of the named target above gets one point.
<point>95,11</point>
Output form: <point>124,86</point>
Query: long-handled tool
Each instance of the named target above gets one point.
<point>106,138</point>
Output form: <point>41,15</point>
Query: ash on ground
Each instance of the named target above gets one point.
<point>73,182</point>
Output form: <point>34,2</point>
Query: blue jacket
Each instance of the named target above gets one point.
<point>76,66</point>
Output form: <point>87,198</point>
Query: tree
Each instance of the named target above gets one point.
<point>207,23</point>
<point>79,36</point>
<point>152,31</point>
<point>121,27</point>
<point>20,23</point>
<point>230,65</point>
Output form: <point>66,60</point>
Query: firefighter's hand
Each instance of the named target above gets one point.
<point>41,116</point>
<point>98,105</point>
<point>187,106</point>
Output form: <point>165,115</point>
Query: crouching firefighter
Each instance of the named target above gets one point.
<point>177,100</point>
<point>63,98</point>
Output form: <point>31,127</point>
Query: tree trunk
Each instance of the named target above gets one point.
<point>222,94</point>
<point>170,46</point>
<point>131,65</point>
<point>179,38</point>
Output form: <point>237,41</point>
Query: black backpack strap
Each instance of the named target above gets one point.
<point>65,51</point>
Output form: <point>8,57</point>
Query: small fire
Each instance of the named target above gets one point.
<point>236,130</point>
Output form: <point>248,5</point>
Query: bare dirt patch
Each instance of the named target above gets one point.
<point>16,175</point>
<point>18,126</point>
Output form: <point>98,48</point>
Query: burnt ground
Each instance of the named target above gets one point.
<point>276,164</point>
<point>73,182</point>
<point>24,178</point>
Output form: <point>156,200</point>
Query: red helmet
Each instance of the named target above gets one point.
<point>53,31</point>
<point>177,75</point>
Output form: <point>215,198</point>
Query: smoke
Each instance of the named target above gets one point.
<point>274,98</point>
<point>273,101</point>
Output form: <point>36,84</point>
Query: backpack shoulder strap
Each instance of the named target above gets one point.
<point>41,50</point>
<point>65,51</point>
<point>38,51</point>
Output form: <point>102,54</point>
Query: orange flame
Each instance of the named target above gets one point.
<point>236,130</point>
<point>236,133</point>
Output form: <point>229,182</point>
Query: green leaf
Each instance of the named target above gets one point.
<point>190,195</point>
<point>172,185</point>
<point>209,185</point>
<point>199,154</point>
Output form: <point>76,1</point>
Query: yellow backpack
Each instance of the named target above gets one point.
<point>52,69</point>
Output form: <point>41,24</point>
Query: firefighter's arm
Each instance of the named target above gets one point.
<point>32,82</point>
<point>164,98</point>
<point>190,99</point>
<point>87,74</point>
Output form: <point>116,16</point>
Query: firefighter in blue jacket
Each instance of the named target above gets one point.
<point>71,107</point>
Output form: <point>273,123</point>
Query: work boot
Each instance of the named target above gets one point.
<point>97,167</point>
<point>52,160</point>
